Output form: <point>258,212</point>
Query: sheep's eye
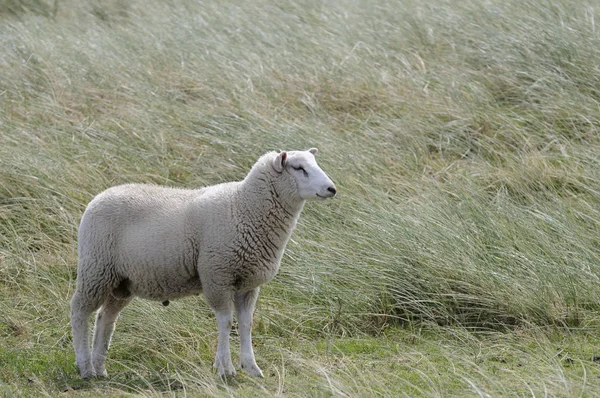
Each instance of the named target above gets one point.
<point>298,168</point>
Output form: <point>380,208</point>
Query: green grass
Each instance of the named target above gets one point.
<point>461,256</point>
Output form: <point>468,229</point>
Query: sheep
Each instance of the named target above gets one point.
<point>161,243</point>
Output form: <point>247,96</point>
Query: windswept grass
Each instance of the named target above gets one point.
<point>460,258</point>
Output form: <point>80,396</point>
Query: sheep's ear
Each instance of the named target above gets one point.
<point>313,151</point>
<point>279,162</point>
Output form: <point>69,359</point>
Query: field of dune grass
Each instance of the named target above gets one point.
<point>461,256</point>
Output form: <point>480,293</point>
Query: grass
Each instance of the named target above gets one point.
<point>460,258</point>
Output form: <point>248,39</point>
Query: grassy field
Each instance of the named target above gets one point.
<point>461,256</point>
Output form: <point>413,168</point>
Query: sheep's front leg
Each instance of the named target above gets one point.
<point>220,299</point>
<point>244,306</point>
<point>223,359</point>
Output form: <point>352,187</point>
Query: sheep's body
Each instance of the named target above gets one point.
<point>162,250</point>
<point>163,243</point>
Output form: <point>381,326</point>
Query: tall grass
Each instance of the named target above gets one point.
<point>462,135</point>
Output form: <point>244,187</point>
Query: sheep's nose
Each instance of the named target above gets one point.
<point>332,190</point>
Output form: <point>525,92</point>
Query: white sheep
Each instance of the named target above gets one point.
<point>163,243</point>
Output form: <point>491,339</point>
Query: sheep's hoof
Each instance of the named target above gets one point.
<point>86,372</point>
<point>100,368</point>
<point>89,374</point>
<point>253,370</point>
<point>224,371</point>
<point>102,374</point>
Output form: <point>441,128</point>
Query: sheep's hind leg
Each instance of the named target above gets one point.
<point>244,307</point>
<point>103,330</point>
<point>82,307</point>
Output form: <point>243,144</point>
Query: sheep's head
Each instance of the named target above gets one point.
<point>312,182</point>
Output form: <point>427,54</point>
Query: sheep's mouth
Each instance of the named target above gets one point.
<point>324,197</point>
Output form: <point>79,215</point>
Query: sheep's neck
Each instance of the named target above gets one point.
<point>272,210</point>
